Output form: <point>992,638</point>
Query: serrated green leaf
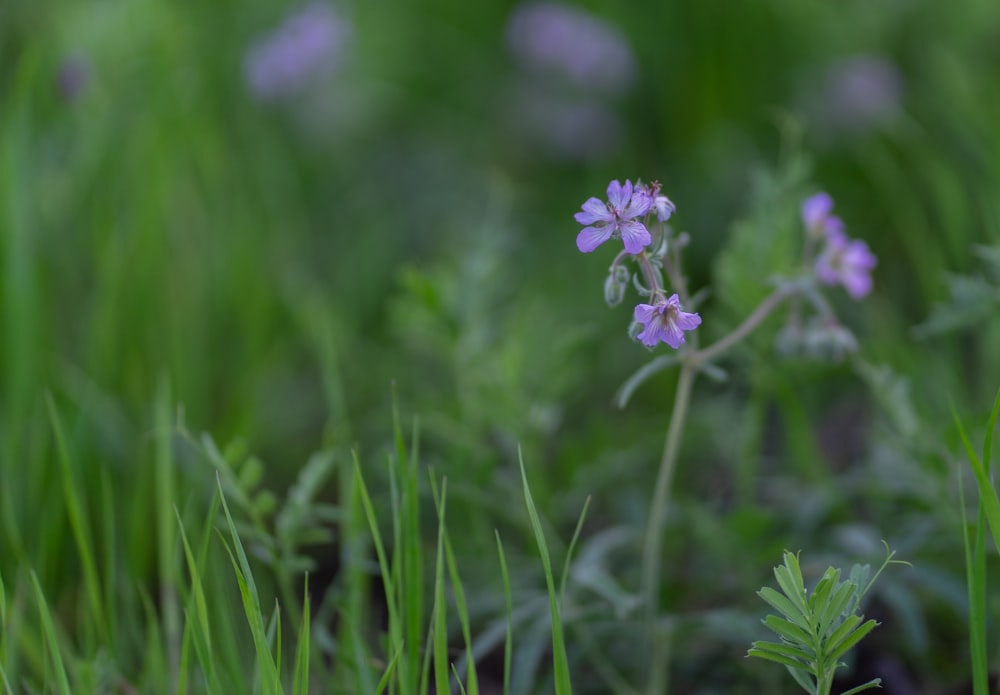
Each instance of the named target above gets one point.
<point>838,649</point>
<point>790,631</point>
<point>781,604</point>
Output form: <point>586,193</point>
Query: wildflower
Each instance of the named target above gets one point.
<point>664,207</point>
<point>848,262</point>
<point>862,92</point>
<point>558,39</point>
<point>816,215</point>
<point>306,44</point>
<point>665,321</point>
<point>615,219</point>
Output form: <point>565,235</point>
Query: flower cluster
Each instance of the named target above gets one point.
<point>636,214</point>
<point>626,215</point>
<point>846,261</point>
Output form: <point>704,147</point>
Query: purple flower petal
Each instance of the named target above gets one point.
<point>688,321</point>
<point>816,209</point>
<point>635,236</point>
<point>857,283</point>
<point>664,208</point>
<point>858,255</point>
<point>672,334</point>
<point>644,313</point>
<point>594,210</point>
<point>616,195</point>
<point>639,204</point>
<point>666,322</point>
<point>592,237</point>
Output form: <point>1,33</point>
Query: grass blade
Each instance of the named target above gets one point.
<point>460,603</point>
<point>441,680</point>
<point>300,679</point>
<point>508,645</point>
<point>389,670</point>
<point>395,628</point>
<point>987,494</point>
<point>559,659</point>
<point>270,679</point>
<point>58,669</point>
<point>3,641</point>
<point>78,523</point>
<point>197,623</point>
<point>975,577</point>
<point>572,547</point>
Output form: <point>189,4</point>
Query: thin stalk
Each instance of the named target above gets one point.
<point>751,322</point>
<point>653,544</point>
<point>653,540</point>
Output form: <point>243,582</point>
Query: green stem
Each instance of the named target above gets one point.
<point>653,543</point>
<point>659,644</point>
<point>751,322</point>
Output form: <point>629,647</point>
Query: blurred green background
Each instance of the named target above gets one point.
<point>274,234</point>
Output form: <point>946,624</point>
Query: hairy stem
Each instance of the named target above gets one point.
<point>653,542</point>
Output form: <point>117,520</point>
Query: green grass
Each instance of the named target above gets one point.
<point>987,517</point>
<point>218,317</point>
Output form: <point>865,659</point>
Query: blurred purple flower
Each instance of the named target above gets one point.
<point>665,321</point>
<point>861,92</point>
<point>816,215</point>
<point>551,37</point>
<point>308,43</point>
<point>616,218</point>
<point>72,77</point>
<point>848,262</point>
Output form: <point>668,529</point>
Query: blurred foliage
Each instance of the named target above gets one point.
<point>281,263</point>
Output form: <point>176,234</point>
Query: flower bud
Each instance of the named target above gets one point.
<point>616,284</point>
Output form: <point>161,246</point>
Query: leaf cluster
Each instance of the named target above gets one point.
<point>817,629</point>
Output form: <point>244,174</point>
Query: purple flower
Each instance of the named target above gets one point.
<point>306,44</point>
<point>848,262</point>
<point>816,215</point>
<point>862,92</point>
<point>665,321</point>
<point>616,218</point>
<point>555,38</point>
<point>664,207</point>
